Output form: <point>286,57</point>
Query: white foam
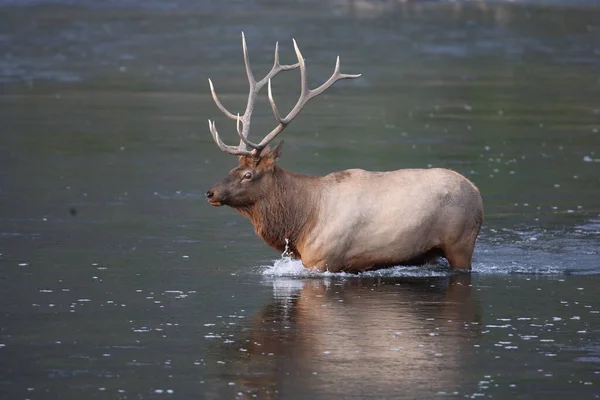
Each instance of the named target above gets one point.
<point>288,267</point>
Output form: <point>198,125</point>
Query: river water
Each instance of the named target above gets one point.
<point>117,280</point>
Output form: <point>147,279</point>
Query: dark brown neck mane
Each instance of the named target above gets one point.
<point>287,211</point>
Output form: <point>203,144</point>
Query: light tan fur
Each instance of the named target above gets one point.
<point>369,220</point>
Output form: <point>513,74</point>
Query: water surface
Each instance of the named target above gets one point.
<point>117,280</point>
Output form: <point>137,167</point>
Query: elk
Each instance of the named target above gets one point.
<point>352,220</point>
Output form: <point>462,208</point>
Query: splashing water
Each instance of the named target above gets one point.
<point>286,266</point>
<point>286,251</point>
<point>522,263</point>
<point>289,267</point>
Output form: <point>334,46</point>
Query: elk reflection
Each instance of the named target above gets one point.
<point>359,336</point>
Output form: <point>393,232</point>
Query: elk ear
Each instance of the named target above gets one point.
<point>276,152</point>
<point>268,157</point>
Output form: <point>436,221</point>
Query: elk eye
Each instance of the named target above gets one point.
<point>248,175</point>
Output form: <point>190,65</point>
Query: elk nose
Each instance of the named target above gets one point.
<point>209,194</point>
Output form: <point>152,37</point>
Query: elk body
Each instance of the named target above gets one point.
<point>352,220</point>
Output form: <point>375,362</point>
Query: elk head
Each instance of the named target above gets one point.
<point>254,177</point>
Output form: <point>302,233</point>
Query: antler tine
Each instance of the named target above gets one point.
<point>276,55</point>
<point>218,103</point>
<point>243,138</point>
<point>251,80</point>
<point>277,68</point>
<point>272,101</point>
<point>333,79</point>
<point>305,95</point>
<point>236,151</point>
<point>304,91</point>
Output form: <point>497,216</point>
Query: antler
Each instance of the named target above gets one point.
<point>305,95</point>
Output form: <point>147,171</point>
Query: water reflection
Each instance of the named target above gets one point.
<point>409,335</point>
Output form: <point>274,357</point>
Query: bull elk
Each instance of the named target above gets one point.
<point>352,220</point>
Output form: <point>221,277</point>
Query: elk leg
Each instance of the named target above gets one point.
<point>459,255</point>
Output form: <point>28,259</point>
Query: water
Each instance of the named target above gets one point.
<point>117,280</point>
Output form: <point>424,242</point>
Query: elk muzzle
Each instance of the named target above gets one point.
<point>213,197</point>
